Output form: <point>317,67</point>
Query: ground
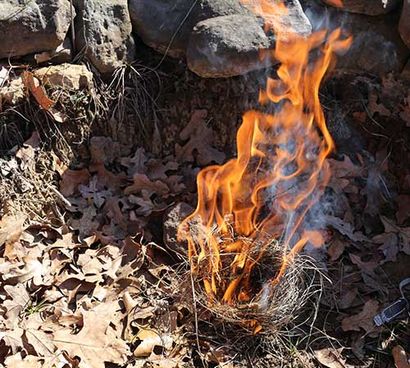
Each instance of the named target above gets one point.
<point>91,277</point>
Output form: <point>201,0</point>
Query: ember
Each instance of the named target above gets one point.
<point>262,196</point>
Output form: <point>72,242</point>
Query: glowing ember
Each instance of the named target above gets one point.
<point>280,171</point>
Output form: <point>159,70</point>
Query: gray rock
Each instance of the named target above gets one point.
<point>377,47</point>
<point>166,25</point>
<point>404,23</point>
<point>368,7</point>
<point>103,31</point>
<point>33,26</point>
<point>172,220</point>
<point>223,47</point>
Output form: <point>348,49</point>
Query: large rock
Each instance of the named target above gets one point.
<point>33,26</point>
<point>67,76</point>
<point>368,7</point>
<point>103,31</point>
<point>377,47</point>
<point>166,25</point>
<point>223,47</point>
<point>404,24</point>
<point>230,45</point>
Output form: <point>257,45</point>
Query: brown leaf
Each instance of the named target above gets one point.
<point>200,140</point>
<point>149,340</point>
<point>142,182</point>
<point>336,249</point>
<point>39,93</point>
<point>11,228</point>
<point>403,212</point>
<point>400,357</point>
<point>363,320</point>
<point>71,179</point>
<point>389,247</point>
<point>97,342</point>
<point>330,357</point>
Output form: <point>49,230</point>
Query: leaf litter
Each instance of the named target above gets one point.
<point>86,280</point>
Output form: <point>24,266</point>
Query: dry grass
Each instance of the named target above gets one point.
<point>286,312</point>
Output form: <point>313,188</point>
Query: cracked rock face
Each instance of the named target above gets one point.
<point>33,26</point>
<point>103,32</point>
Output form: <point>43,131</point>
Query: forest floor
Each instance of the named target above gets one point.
<point>91,274</point>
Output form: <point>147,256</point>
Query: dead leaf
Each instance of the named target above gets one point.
<point>97,343</point>
<point>330,357</point>
<point>142,182</point>
<point>71,179</point>
<point>345,228</point>
<point>336,249</point>
<point>200,140</point>
<point>389,245</point>
<point>11,228</point>
<point>364,319</point>
<point>403,212</point>
<point>400,357</point>
<point>39,93</point>
<point>149,340</point>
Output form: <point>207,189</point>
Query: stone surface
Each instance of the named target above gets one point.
<point>69,76</point>
<point>223,47</point>
<point>62,54</point>
<point>404,23</point>
<point>377,47</point>
<point>33,26</point>
<point>166,25</point>
<point>368,7</point>
<point>230,45</point>
<point>172,220</point>
<point>103,31</point>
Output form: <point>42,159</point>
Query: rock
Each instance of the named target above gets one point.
<point>404,23</point>
<point>166,25</point>
<point>103,31</point>
<point>377,47</point>
<point>62,54</point>
<point>172,220</point>
<point>33,26</point>
<point>229,45</point>
<point>367,7</point>
<point>223,47</point>
<point>68,76</point>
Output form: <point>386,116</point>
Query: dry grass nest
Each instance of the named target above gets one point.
<point>284,310</point>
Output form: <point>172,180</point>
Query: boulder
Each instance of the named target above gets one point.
<point>367,7</point>
<point>68,76</point>
<point>377,47</point>
<point>33,26</point>
<point>223,47</point>
<point>166,25</point>
<point>404,23</point>
<point>103,32</point>
<point>230,45</point>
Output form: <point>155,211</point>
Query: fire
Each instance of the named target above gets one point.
<point>280,171</point>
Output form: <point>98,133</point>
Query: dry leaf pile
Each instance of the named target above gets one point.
<point>89,273</point>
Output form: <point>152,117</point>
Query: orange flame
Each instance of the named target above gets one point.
<point>280,171</point>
